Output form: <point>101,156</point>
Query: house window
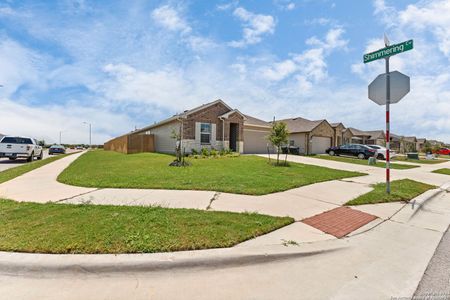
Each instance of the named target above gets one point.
<point>205,133</point>
<point>291,143</point>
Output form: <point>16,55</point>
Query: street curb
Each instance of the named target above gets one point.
<point>50,264</point>
<point>421,200</point>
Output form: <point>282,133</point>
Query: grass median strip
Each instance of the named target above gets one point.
<point>68,228</point>
<point>401,190</point>
<point>241,175</point>
<point>351,160</point>
<point>419,161</point>
<point>27,167</point>
<point>445,171</point>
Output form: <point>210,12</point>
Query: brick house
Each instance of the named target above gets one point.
<point>370,137</point>
<point>338,138</point>
<point>214,125</point>
<point>312,137</point>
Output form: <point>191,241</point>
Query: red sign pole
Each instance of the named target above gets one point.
<point>388,102</point>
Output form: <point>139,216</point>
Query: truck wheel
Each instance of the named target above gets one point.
<point>40,156</point>
<point>30,158</point>
<point>331,153</point>
<point>380,156</point>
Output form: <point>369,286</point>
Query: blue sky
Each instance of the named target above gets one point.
<point>121,64</point>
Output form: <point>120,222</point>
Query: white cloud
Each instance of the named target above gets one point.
<point>310,65</point>
<point>279,70</point>
<point>254,27</point>
<point>19,66</point>
<point>432,16</point>
<point>169,18</point>
<point>290,6</point>
<point>46,121</point>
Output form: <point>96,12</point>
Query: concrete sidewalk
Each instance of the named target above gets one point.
<point>40,185</point>
<point>387,261</point>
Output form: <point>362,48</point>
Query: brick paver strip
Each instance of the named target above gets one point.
<point>339,221</point>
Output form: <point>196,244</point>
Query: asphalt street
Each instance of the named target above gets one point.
<point>435,282</point>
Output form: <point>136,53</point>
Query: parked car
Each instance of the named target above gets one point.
<point>358,150</point>
<point>14,147</point>
<point>79,148</point>
<point>381,151</point>
<point>56,149</point>
<point>443,151</point>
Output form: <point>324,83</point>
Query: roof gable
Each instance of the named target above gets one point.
<point>301,124</point>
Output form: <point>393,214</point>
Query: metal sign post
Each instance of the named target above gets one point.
<point>388,144</point>
<point>397,88</point>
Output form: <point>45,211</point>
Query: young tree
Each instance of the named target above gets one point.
<point>278,136</point>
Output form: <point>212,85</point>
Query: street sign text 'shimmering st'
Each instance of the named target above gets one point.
<point>388,51</point>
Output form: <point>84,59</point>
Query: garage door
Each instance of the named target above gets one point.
<point>255,141</point>
<point>319,144</point>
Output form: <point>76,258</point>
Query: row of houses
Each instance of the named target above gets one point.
<point>217,125</point>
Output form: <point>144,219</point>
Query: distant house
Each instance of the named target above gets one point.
<point>339,129</point>
<point>371,137</point>
<point>403,144</point>
<point>312,137</point>
<point>420,145</point>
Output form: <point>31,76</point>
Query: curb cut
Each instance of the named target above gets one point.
<point>421,202</point>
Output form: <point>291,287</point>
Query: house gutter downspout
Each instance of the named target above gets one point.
<point>223,132</point>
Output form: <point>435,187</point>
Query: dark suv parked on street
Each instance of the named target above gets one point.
<point>358,150</point>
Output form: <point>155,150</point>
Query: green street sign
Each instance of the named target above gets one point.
<point>388,51</point>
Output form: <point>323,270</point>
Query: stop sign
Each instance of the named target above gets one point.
<point>399,83</point>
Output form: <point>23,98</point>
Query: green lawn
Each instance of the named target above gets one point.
<point>27,167</point>
<point>419,161</point>
<point>380,164</point>
<point>445,171</point>
<point>242,175</point>
<point>66,228</point>
<point>401,190</point>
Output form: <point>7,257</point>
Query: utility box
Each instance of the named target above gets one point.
<point>412,155</point>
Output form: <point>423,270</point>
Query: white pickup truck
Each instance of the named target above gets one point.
<point>14,147</point>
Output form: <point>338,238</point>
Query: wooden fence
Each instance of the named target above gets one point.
<point>132,143</point>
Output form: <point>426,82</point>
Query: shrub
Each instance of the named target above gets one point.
<point>214,152</point>
<point>194,152</point>
<point>205,152</point>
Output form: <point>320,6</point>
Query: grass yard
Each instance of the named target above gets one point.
<point>445,171</point>
<point>401,190</point>
<point>241,175</point>
<point>380,164</point>
<point>419,161</point>
<point>27,167</point>
<point>67,228</point>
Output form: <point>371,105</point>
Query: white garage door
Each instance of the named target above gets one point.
<point>319,144</point>
<point>255,141</point>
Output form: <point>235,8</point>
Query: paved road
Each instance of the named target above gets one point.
<point>436,279</point>
<point>6,164</point>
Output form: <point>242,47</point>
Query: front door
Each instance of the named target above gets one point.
<point>233,136</point>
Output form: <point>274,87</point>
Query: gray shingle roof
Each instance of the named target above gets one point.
<point>256,122</point>
<point>301,124</point>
